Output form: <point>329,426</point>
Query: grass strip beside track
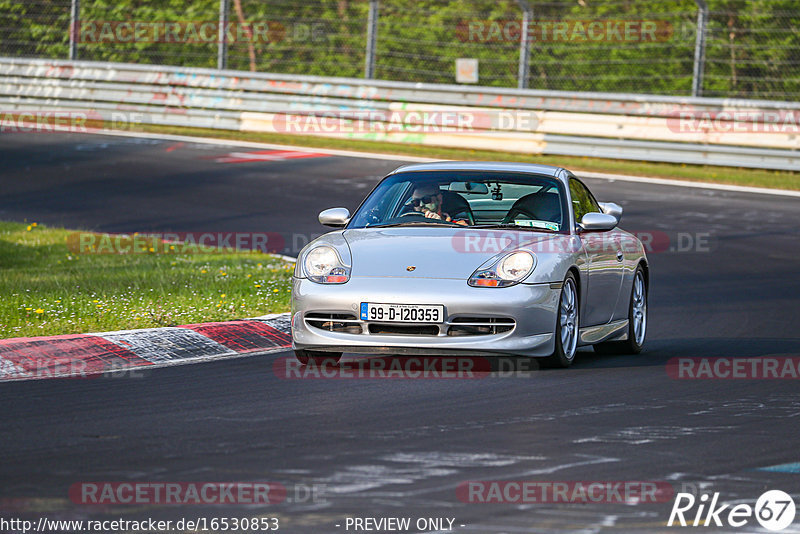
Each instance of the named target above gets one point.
<point>695,173</point>
<point>49,289</point>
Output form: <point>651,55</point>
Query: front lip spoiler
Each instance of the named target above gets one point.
<point>385,348</point>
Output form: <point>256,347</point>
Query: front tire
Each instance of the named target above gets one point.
<point>637,321</point>
<point>567,324</point>
<point>317,359</point>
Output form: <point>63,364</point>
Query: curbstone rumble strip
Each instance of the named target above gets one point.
<point>83,355</point>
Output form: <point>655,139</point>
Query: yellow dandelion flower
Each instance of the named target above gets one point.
<point>28,309</point>
<point>258,285</point>
<point>274,290</point>
<point>222,296</point>
<point>39,310</point>
<point>224,274</point>
<point>29,228</point>
<point>34,224</point>
<point>58,301</point>
<point>249,275</point>
<point>259,265</point>
<point>203,271</point>
<point>95,301</point>
<point>99,305</point>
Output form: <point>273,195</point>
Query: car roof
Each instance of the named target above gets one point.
<point>532,168</point>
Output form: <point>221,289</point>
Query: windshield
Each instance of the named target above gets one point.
<point>465,199</point>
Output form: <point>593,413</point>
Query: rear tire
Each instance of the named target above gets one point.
<point>567,324</point>
<point>317,359</point>
<point>637,321</point>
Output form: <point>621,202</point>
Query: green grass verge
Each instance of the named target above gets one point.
<point>695,173</point>
<point>49,289</point>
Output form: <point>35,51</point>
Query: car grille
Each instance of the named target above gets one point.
<point>480,326</point>
<point>334,322</point>
<point>405,329</point>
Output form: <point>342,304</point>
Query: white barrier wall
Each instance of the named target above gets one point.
<point>742,133</point>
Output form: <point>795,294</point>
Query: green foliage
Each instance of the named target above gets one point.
<point>753,47</point>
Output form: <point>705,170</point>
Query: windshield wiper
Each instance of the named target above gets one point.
<point>413,223</point>
<point>515,226</point>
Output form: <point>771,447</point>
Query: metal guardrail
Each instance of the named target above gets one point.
<point>618,126</point>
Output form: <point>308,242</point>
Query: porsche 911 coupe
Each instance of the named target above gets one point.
<point>466,258</point>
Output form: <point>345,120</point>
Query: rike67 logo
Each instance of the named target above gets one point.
<point>774,510</point>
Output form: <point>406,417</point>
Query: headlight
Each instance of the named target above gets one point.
<point>515,266</point>
<point>509,270</point>
<point>323,265</point>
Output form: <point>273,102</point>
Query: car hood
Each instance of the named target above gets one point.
<point>432,252</point>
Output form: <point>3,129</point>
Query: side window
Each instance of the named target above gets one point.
<point>582,200</point>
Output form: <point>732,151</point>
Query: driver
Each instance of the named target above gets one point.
<point>427,199</point>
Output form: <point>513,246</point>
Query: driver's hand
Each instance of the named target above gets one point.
<point>432,215</point>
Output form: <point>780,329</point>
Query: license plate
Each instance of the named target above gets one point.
<point>402,313</point>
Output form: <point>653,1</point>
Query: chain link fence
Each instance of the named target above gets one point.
<point>34,28</point>
<point>751,48</point>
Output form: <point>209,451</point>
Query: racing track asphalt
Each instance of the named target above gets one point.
<point>401,447</point>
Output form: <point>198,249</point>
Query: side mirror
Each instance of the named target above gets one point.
<point>612,208</point>
<point>595,221</point>
<point>335,217</point>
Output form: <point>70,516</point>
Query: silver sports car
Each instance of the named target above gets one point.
<point>472,258</point>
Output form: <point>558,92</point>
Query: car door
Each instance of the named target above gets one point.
<point>604,263</point>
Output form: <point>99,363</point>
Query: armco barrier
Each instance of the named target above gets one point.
<point>619,126</point>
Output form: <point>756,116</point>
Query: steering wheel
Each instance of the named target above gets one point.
<point>518,211</point>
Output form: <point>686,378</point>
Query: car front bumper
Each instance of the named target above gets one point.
<point>533,307</point>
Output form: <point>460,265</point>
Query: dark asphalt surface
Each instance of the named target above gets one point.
<point>379,448</point>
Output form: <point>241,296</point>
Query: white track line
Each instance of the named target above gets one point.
<point>268,146</point>
<point>696,185</point>
<point>415,159</point>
